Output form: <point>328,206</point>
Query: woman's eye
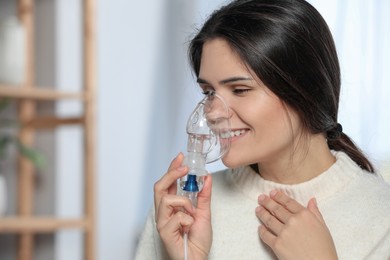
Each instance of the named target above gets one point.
<point>239,91</point>
<point>208,92</point>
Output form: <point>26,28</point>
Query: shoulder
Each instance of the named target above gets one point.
<point>372,188</point>
<point>361,191</point>
<point>358,214</point>
<point>375,192</point>
<point>372,183</point>
<point>367,193</point>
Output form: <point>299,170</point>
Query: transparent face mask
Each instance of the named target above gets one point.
<point>208,130</point>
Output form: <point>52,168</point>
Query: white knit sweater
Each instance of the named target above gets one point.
<point>355,205</point>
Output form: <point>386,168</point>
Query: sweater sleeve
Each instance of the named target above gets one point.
<point>150,245</point>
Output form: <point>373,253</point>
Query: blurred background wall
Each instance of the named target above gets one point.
<point>146,92</point>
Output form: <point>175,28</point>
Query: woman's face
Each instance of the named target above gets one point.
<point>264,128</point>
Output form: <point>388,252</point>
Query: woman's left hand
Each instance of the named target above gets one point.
<point>292,230</point>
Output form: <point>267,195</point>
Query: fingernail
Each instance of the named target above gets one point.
<point>258,209</point>
<point>182,168</point>
<point>273,193</point>
<point>261,197</point>
<point>315,202</point>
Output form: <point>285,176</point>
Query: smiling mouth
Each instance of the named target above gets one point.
<point>234,133</point>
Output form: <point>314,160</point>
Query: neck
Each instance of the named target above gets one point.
<point>304,163</point>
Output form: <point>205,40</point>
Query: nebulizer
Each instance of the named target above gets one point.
<point>208,130</point>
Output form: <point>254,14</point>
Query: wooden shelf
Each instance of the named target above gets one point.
<point>38,93</point>
<point>53,122</point>
<point>25,224</point>
<point>39,224</point>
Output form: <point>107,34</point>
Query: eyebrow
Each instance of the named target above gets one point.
<point>225,81</point>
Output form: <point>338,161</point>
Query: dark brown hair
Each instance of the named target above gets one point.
<point>289,46</point>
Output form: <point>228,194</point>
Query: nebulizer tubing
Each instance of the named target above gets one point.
<point>208,130</point>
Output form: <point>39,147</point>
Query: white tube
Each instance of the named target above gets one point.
<point>185,238</point>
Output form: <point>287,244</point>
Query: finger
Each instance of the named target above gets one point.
<point>266,236</point>
<point>313,207</point>
<point>276,209</point>
<point>204,197</point>
<point>175,171</point>
<point>287,202</point>
<point>176,162</point>
<point>167,184</point>
<point>271,222</point>
<point>169,206</point>
<point>179,223</point>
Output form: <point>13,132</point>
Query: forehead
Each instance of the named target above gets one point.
<point>219,60</point>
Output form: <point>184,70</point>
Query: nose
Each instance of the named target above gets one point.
<point>217,110</point>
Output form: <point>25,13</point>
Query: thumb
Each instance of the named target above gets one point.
<point>312,206</point>
<point>204,197</point>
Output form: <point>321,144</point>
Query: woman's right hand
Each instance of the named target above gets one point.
<point>176,215</point>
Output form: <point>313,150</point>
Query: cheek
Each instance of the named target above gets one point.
<point>273,129</point>
<point>269,118</point>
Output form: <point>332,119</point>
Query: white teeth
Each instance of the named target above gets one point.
<point>233,133</point>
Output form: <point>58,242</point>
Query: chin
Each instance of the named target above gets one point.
<point>230,162</point>
<point>238,159</point>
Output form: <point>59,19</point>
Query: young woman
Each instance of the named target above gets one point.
<point>296,186</point>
